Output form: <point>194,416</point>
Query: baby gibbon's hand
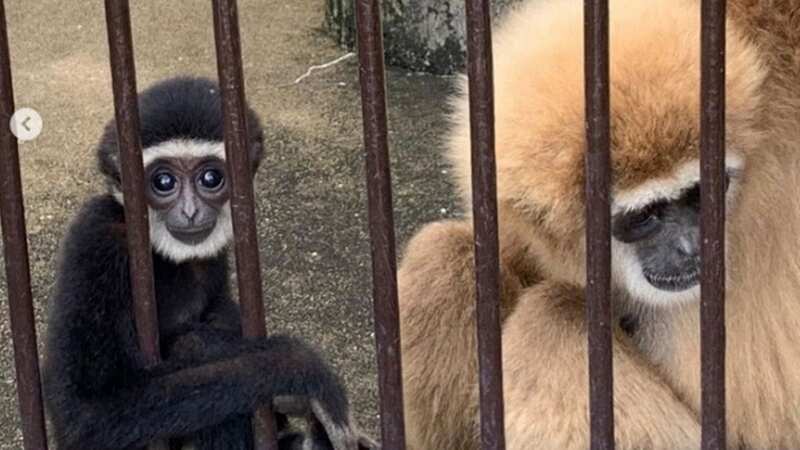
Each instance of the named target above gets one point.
<point>324,433</point>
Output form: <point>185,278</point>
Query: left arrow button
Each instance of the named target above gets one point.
<point>26,124</point>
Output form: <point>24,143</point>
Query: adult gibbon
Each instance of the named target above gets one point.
<point>655,74</point>
<point>99,393</point>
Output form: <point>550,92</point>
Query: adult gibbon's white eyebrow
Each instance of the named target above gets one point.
<point>668,188</point>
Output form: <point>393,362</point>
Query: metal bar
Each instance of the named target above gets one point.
<point>598,224</point>
<point>381,223</point>
<point>126,113</point>
<point>15,244</point>
<point>712,224</point>
<point>231,81</point>
<point>484,205</point>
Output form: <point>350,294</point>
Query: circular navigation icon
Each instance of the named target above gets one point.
<point>26,124</point>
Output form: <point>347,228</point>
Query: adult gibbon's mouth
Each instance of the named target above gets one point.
<point>193,235</point>
<point>673,282</point>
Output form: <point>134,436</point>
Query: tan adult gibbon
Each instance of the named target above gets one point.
<point>655,74</point>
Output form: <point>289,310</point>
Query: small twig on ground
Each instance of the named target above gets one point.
<point>320,67</point>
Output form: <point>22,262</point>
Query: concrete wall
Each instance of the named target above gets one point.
<point>419,35</point>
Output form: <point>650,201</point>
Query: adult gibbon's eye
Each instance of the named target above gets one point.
<point>642,220</point>
<point>211,179</point>
<point>635,226</point>
<point>164,182</point>
<point>693,196</point>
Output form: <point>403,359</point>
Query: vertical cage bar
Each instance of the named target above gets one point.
<point>248,269</point>
<point>598,224</point>
<point>381,223</point>
<point>231,80</point>
<point>15,244</point>
<point>484,205</point>
<point>712,223</point>
<point>126,113</point>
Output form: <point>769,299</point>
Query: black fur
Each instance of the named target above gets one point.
<point>98,391</point>
<point>178,108</point>
<point>100,395</point>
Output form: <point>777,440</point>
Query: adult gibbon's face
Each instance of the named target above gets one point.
<point>187,195</point>
<point>657,246</point>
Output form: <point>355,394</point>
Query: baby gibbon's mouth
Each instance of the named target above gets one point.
<point>192,236</point>
<point>673,282</point>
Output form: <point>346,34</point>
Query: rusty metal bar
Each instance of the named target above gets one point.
<point>126,113</point>
<point>598,224</point>
<point>15,244</point>
<point>484,205</point>
<point>248,269</point>
<point>712,223</point>
<point>381,223</point>
<point>231,80</point>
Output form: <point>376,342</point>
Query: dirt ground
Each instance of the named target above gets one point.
<point>310,192</point>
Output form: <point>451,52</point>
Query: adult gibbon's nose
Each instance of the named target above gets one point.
<point>687,246</point>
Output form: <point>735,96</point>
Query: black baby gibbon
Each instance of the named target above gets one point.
<point>99,393</point>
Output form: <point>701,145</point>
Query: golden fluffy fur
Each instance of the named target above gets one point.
<point>655,144</point>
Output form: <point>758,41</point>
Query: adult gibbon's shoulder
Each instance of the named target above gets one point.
<point>776,22</point>
<point>775,27</point>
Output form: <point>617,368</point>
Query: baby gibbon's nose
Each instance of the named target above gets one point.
<point>190,211</point>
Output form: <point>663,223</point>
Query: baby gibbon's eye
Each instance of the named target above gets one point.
<point>164,183</point>
<point>211,179</point>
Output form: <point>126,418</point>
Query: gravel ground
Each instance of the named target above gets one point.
<point>310,192</point>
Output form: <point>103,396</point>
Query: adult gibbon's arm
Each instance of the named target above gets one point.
<point>544,353</point>
<point>546,397</point>
<point>98,392</point>
<point>437,313</point>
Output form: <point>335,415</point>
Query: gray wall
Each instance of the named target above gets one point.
<point>419,35</point>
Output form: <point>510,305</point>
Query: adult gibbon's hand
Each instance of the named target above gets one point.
<point>324,433</point>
